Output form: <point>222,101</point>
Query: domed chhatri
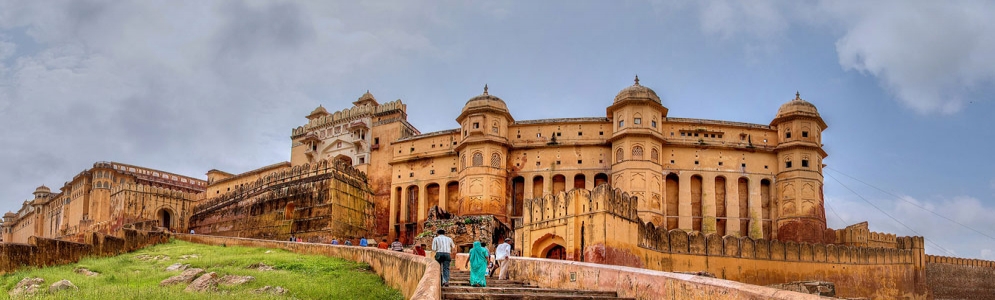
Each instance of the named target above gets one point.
<point>43,189</point>
<point>317,113</point>
<point>485,100</point>
<point>797,106</point>
<point>637,92</point>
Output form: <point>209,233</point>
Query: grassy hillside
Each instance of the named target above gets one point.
<point>137,275</point>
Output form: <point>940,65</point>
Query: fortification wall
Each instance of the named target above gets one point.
<point>416,277</point>
<point>960,278</point>
<point>602,226</point>
<point>43,252</point>
<point>633,282</point>
<point>315,202</point>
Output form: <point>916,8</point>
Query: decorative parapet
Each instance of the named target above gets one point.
<point>347,115</point>
<point>935,259</point>
<point>304,173</point>
<point>680,242</point>
<point>551,210</point>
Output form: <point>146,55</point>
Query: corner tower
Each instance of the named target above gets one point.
<point>801,214</point>
<point>637,141</point>
<point>483,152</point>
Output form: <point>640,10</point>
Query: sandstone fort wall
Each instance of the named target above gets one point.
<point>416,277</point>
<point>44,252</point>
<point>315,202</point>
<point>602,226</point>
<point>633,282</point>
<point>960,278</point>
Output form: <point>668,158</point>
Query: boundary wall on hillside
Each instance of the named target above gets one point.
<point>633,282</point>
<point>415,276</point>
<point>960,278</point>
<point>44,252</point>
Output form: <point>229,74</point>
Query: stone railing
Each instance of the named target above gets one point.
<point>632,282</point>
<point>415,276</point>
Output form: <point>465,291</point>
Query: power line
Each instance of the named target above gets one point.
<point>914,204</point>
<point>834,213</point>
<point>889,215</point>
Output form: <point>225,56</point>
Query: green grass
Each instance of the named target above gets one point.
<point>127,277</point>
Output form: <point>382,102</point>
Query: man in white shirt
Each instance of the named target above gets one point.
<point>443,247</point>
<point>502,253</point>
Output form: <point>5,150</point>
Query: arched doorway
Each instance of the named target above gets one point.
<point>165,218</point>
<point>556,252</point>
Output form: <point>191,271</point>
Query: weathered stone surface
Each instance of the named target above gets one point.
<point>86,272</point>
<point>235,280</point>
<point>184,277</point>
<point>820,288</point>
<point>26,286</point>
<point>260,267</point>
<point>177,267</point>
<point>206,282</point>
<point>62,285</point>
<point>271,290</point>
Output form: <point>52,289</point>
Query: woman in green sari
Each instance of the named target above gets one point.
<point>478,265</point>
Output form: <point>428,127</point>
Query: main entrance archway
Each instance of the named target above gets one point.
<point>165,218</point>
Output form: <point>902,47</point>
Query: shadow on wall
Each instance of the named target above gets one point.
<point>43,252</point>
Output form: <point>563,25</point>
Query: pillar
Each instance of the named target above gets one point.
<point>732,206</point>
<point>708,204</point>
<point>684,203</point>
<point>756,210</point>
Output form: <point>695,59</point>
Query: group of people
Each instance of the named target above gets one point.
<point>480,261</point>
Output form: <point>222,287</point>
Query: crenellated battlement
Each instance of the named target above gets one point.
<point>603,198</point>
<point>308,172</point>
<point>694,243</point>
<point>936,259</point>
<point>349,114</point>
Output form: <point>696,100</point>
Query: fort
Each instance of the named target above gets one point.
<point>635,189</point>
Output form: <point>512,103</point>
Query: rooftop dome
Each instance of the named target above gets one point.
<point>797,106</point>
<point>318,112</point>
<point>367,97</point>
<point>9,214</point>
<point>637,92</point>
<point>485,100</point>
<point>43,189</point>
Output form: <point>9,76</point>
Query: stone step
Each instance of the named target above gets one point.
<point>523,290</point>
<point>523,296</point>
<point>490,284</point>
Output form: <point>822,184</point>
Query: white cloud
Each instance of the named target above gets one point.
<point>929,55</point>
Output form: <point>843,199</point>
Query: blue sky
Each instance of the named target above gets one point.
<point>189,86</point>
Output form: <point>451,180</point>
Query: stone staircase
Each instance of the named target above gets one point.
<point>459,288</point>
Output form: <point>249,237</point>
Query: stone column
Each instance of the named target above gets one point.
<point>756,210</point>
<point>405,195</point>
<point>732,206</point>
<point>708,204</point>
<point>684,203</point>
<point>422,202</point>
<point>443,195</point>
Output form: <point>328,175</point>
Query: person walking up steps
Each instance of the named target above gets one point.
<point>501,255</point>
<point>443,247</point>
<point>478,265</point>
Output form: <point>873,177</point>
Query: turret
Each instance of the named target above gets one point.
<point>801,214</point>
<point>637,141</point>
<point>483,152</point>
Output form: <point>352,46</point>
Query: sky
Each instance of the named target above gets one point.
<point>187,86</point>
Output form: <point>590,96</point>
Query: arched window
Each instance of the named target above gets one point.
<point>655,155</point>
<point>478,159</point>
<point>618,155</point>
<point>637,153</point>
<point>496,160</point>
